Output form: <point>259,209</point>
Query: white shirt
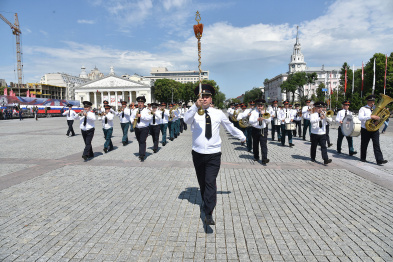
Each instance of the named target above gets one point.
<point>296,116</point>
<point>200,143</point>
<point>364,115</point>
<point>158,114</point>
<point>71,115</point>
<point>274,112</point>
<point>145,118</point>
<point>127,115</point>
<point>91,117</point>
<point>341,114</point>
<point>230,111</point>
<point>109,117</point>
<point>305,112</point>
<point>254,120</point>
<point>164,120</point>
<point>243,114</point>
<point>285,115</point>
<point>314,120</point>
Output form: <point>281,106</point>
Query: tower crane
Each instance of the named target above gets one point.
<point>16,31</point>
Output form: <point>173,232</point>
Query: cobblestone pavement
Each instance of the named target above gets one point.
<point>56,207</point>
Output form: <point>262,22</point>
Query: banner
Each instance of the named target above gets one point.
<point>345,85</point>
<point>386,68</point>
<point>10,100</point>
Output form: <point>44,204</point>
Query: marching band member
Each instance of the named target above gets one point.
<point>285,116</point>
<point>236,111</point>
<point>339,119</point>
<point>155,126</point>
<point>107,127</point>
<point>184,109</point>
<point>206,146</point>
<point>306,111</point>
<point>365,113</point>
<point>274,114</point>
<point>324,109</point>
<point>105,102</point>
<point>164,122</point>
<point>171,122</point>
<point>124,116</point>
<point>87,126</point>
<point>259,127</point>
<point>71,115</point>
<point>181,117</point>
<point>230,111</point>
<point>318,133</point>
<point>142,127</point>
<point>132,108</point>
<point>297,120</point>
<point>248,130</point>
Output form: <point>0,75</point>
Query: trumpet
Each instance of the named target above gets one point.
<point>82,112</point>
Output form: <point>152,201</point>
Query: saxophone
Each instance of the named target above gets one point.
<point>380,110</point>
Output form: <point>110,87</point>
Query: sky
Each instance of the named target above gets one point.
<point>243,43</point>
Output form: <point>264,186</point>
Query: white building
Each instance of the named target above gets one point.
<point>114,89</point>
<point>179,76</point>
<point>330,76</point>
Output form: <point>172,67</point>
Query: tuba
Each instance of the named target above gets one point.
<point>380,110</point>
<point>330,113</point>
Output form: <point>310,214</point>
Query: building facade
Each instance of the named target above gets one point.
<point>330,76</point>
<point>179,76</point>
<point>114,89</point>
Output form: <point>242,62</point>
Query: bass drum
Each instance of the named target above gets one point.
<point>290,126</point>
<point>351,126</point>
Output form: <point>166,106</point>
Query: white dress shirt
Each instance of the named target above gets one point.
<point>71,115</point>
<point>127,116</point>
<point>305,112</point>
<point>200,143</point>
<point>254,120</point>
<point>91,117</point>
<point>158,114</point>
<point>164,120</point>
<point>175,115</point>
<point>314,120</point>
<point>110,118</point>
<point>243,114</point>
<point>364,115</point>
<point>296,114</point>
<point>230,111</point>
<point>145,118</point>
<point>341,114</point>
<point>285,115</point>
<point>274,112</point>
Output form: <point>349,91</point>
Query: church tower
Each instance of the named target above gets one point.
<point>297,63</point>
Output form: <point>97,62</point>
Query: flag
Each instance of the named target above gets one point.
<point>27,93</point>
<point>386,68</point>
<point>345,85</point>
<point>374,78</point>
<point>5,92</point>
<point>331,87</point>
<point>362,76</point>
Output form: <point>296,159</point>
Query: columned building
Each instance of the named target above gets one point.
<point>113,89</point>
<point>330,76</point>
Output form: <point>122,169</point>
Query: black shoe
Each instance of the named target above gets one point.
<point>304,139</point>
<point>155,150</point>
<point>67,134</point>
<point>265,161</point>
<point>339,152</point>
<point>329,145</point>
<point>171,138</point>
<point>327,161</point>
<point>73,135</point>
<point>363,160</point>
<point>256,159</point>
<point>142,158</point>
<point>163,144</point>
<point>312,160</point>
<point>84,157</point>
<point>209,220</point>
<point>353,153</point>
<point>290,144</point>
<point>106,150</point>
<point>382,162</point>
<point>111,148</point>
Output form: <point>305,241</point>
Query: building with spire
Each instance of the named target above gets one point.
<point>330,76</point>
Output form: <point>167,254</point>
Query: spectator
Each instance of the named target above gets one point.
<point>386,125</point>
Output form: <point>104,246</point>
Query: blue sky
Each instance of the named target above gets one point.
<point>243,43</point>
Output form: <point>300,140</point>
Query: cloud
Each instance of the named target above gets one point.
<point>44,32</point>
<point>82,21</point>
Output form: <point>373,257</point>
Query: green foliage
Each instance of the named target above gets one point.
<point>252,95</point>
<point>2,90</point>
<point>320,93</point>
<point>295,83</point>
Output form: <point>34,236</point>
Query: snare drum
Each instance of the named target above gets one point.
<point>290,126</point>
<point>351,126</point>
<point>276,121</point>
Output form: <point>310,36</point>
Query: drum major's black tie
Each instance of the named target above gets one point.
<point>122,114</point>
<point>345,113</point>
<point>85,120</point>
<point>154,119</point>
<point>208,130</point>
<point>162,115</point>
<point>69,113</point>
<point>106,120</point>
<point>260,121</point>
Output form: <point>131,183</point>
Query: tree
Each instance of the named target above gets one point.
<point>295,83</point>
<point>320,93</point>
<point>253,94</point>
<point>163,89</point>
<point>310,79</point>
<point>2,90</point>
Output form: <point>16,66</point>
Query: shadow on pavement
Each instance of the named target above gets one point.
<point>301,157</point>
<point>246,156</point>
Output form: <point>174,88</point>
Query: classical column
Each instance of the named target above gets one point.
<point>130,96</point>
<point>95,99</point>
<point>122,93</point>
<point>116,100</point>
<point>102,96</point>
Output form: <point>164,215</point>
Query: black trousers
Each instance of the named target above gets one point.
<point>184,124</point>
<point>298,127</point>
<point>306,124</point>
<point>276,129</point>
<point>207,167</point>
<point>88,137</point>
<point>181,125</point>
<point>141,135</point>
<point>340,140</point>
<point>318,140</point>
<point>70,128</point>
<point>365,139</point>
<point>259,139</point>
<point>327,134</point>
<point>155,135</point>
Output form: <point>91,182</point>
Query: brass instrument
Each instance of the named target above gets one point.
<point>234,116</point>
<point>299,113</point>
<point>136,119</point>
<point>244,122</point>
<point>330,113</point>
<point>171,116</point>
<point>380,110</point>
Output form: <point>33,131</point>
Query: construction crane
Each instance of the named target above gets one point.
<point>16,31</point>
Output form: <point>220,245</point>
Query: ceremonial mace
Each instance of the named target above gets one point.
<point>198,30</point>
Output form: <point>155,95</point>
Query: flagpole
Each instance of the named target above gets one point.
<point>353,78</point>
<point>361,91</point>
<point>374,78</point>
<point>345,84</point>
